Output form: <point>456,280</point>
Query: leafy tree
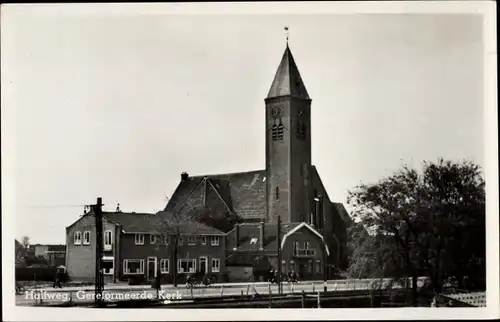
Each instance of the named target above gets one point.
<point>26,241</point>
<point>430,222</point>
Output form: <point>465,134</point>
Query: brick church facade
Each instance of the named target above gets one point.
<point>229,222</point>
<point>289,187</point>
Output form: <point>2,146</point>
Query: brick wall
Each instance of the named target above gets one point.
<point>80,259</point>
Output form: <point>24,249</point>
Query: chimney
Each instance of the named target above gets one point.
<point>184,176</point>
<point>261,239</point>
<point>237,235</point>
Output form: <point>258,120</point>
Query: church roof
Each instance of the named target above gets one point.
<point>243,192</point>
<point>287,81</point>
<point>248,231</point>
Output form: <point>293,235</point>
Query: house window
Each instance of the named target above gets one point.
<point>107,266</point>
<point>292,265</point>
<point>78,238</point>
<point>318,266</point>
<point>253,240</point>
<point>283,266</point>
<point>107,237</point>
<point>133,266</point>
<point>164,266</point>
<point>204,240</point>
<point>215,265</point>
<point>166,239</point>
<point>86,237</point>
<point>181,240</point>
<point>310,266</point>
<point>152,239</point>
<point>295,245</point>
<point>186,265</point>
<point>277,193</point>
<point>192,240</point>
<point>306,245</point>
<point>139,239</point>
<point>214,241</point>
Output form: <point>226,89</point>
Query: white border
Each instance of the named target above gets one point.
<point>485,8</point>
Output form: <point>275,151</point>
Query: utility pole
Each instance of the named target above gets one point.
<point>99,278</point>
<point>280,289</point>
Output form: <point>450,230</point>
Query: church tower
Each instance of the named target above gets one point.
<point>288,145</point>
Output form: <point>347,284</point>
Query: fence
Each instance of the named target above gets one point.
<point>36,274</point>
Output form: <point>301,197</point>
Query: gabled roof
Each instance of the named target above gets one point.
<point>287,81</point>
<point>339,207</point>
<point>252,230</point>
<point>242,192</point>
<point>131,222</point>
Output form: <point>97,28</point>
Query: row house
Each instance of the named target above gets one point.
<point>142,245</point>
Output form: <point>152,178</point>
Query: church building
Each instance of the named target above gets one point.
<point>233,226</point>
<point>289,188</point>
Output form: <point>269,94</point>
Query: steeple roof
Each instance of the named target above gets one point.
<point>287,81</point>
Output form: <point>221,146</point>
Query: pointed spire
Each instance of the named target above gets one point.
<point>287,81</point>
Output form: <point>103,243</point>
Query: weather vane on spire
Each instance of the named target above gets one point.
<point>287,34</point>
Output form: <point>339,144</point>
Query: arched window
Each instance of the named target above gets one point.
<point>277,130</point>
<point>274,132</point>
<point>301,130</point>
<point>107,237</point>
<point>280,132</point>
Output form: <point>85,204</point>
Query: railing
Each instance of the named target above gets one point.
<point>304,252</point>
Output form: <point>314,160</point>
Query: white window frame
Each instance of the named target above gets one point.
<point>109,271</point>
<point>110,239</point>
<point>86,241</point>
<point>166,239</point>
<point>152,239</point>
<point>126,268</point>
<point>215,240</point>
<point>191,240</point>
<point>77,238</point>
<point>203,240</point>
<point>138,239</point>
<point>179,266</point>
<point>215,268</point>
<point>164,266</point>
<point>319,267</point>
<point>180,240</point>
<point>253,240</point>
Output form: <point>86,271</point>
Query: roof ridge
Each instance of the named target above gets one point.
<point>225,174</point>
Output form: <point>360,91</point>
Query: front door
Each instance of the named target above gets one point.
<point>302,270</point>
<point>152,269</point>
<point>203,265</point>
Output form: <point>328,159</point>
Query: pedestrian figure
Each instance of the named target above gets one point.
<point>57,280</point>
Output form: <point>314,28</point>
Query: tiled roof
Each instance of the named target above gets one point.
<point>242,192</point>
<point>257,261</point>
<point>339,207</point>
<point>149,223</point>
<point>287,80</point>
<point>247,231</point>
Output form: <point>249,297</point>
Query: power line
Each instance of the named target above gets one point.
<point>56,206</point>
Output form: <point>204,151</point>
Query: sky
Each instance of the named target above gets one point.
<point>117,106</point>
